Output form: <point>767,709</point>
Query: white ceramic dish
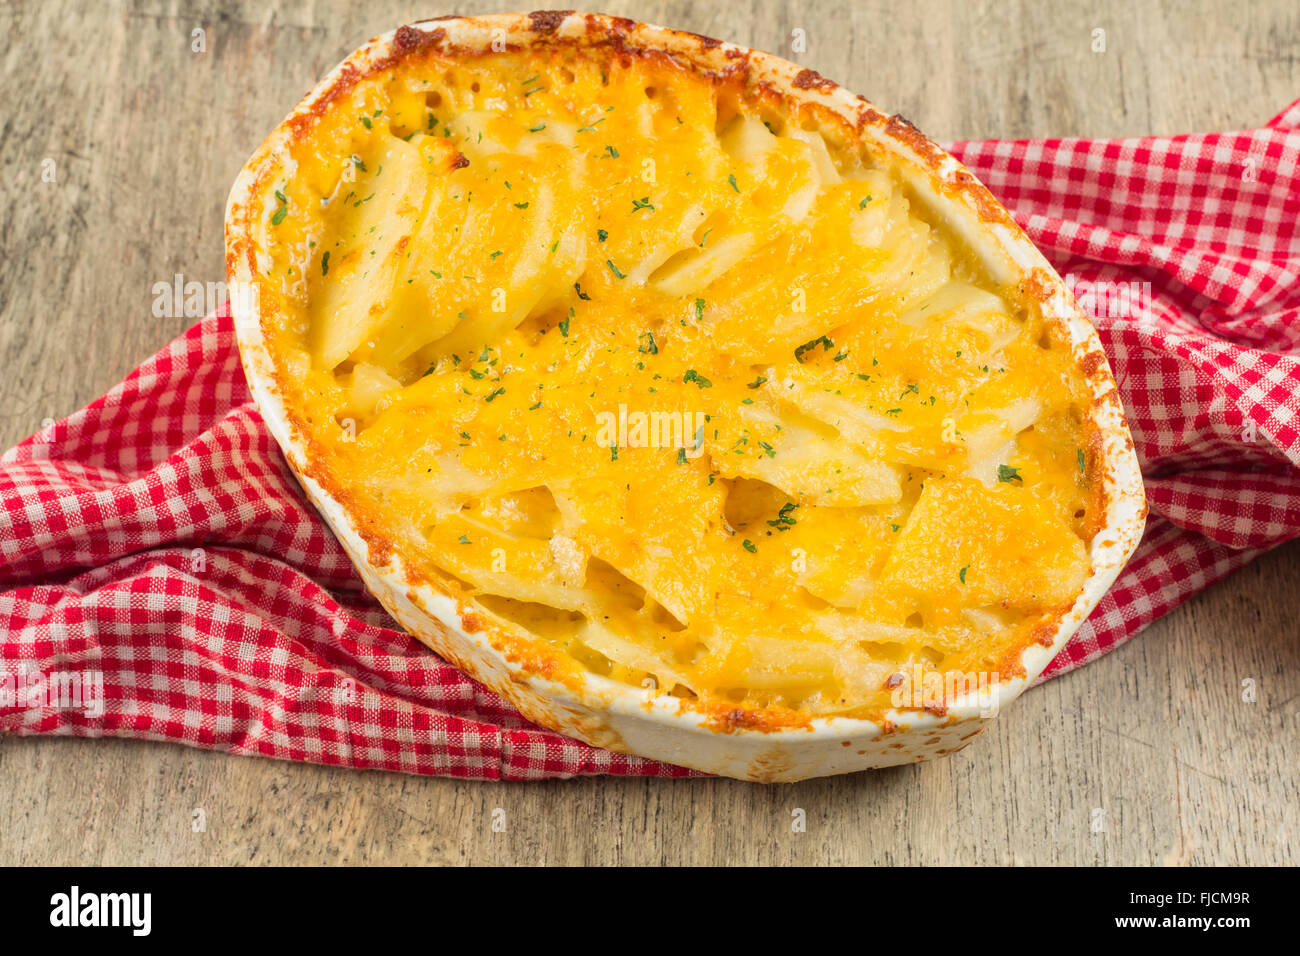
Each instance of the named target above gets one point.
<point>632,720</point>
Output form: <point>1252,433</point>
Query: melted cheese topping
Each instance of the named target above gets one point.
<point>674,380</point>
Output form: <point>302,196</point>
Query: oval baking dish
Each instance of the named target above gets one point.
<point>679,396</point>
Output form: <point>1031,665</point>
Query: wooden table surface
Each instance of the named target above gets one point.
<point>1147,756</point>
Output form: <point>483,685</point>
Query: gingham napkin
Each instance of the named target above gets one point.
<point>162,576</point>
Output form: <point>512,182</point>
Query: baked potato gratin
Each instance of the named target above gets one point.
<point>668,376</point>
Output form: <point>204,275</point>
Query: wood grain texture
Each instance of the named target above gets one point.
<point>147,136</point>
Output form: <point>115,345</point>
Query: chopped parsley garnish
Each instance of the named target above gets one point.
<point>962,575</point>
<point>732,180</point>
<point>325,263</point>
<point>783,519</point>
<point>602,235</point>
<point>694,376</point>
<point>494,394</point>
<point>699,310</point>
<point>681,456</point>
<point>564,326</point>
<point>863,204</point>
<point>750,546</point>
<point>521,205</point>
<point>613,153</point>
<point>282,210</point>
<point>614,269</point>
<point>646,343</point>
<point>1081,461</point>
<point>577,287</point>
<point>644,203</point>
<point>464,539</point>
<point>757,383</point>
<point>807,347</point>
<point>1007,473</point>
<point>538,128</point>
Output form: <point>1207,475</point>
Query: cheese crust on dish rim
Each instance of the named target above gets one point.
<point>679,396</point>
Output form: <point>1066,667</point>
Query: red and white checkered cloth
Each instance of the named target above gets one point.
<point>157,537</point>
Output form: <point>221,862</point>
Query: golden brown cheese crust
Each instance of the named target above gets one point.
<point>412,47</point>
